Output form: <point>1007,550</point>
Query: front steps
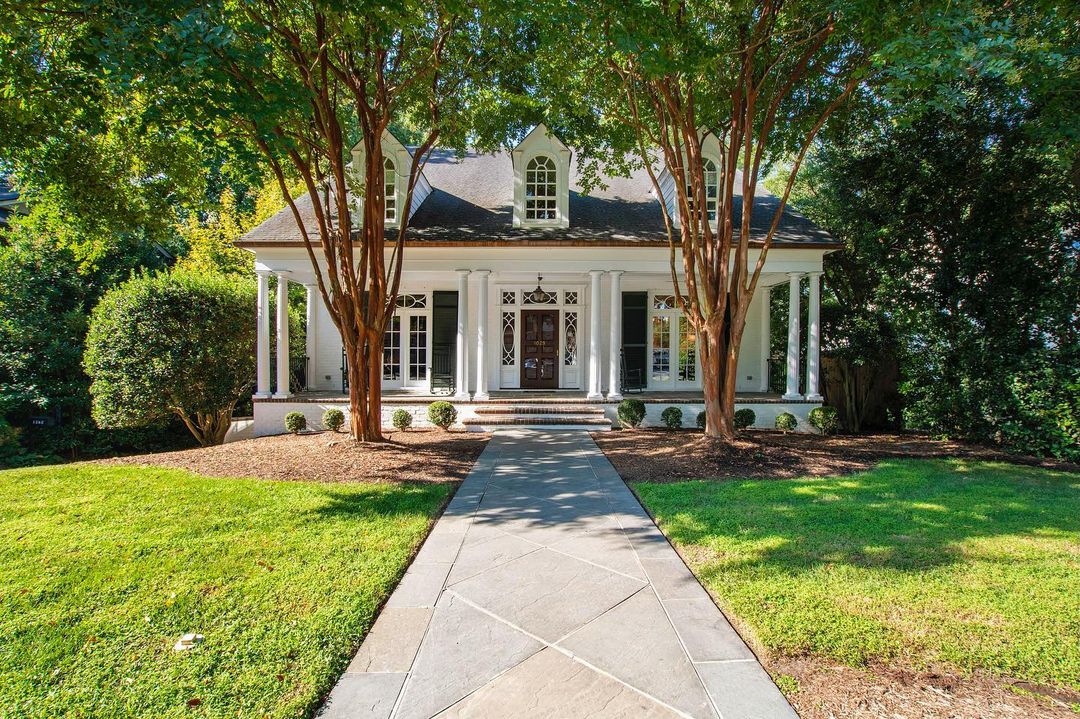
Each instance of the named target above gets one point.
<point>538,416</point>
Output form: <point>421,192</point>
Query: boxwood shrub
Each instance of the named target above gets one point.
<point>295,422</point>
<point>402,419</point>
<point>333,419</point>
<point>672,417</point>
<point>786,422</point>
<point>442,414</point>
<point>631,412</point>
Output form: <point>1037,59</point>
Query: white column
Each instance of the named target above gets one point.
<point>793,338</point>
<point>262,346</point>
<point>813,339</point>
<point>481,335</point>
<point>462,374</point>
<point>594,335</point>
<point>311,334</point>
<point>766,335</point>
<point>615,336</point>
<point>281,389</point>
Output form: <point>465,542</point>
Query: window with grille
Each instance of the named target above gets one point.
<point>390,190</point>
<point>570,355</point>
<point>507,339</point>
<point>540,190</point>
<point>708,170</point>
<point>391,368</point>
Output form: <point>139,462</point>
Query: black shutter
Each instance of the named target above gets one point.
<point>443,339</point>
<point>635,333</point>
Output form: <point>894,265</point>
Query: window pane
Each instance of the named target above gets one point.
<point>418,347</point>
<point>570,355</point>
<point>508,339</point>
<point>661,349</point>
<point>392,349</point>
<point>687,352</point>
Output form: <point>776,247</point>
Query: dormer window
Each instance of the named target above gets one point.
<point>390,191</point>
<point>541,181</point>
<point>708,168</point>
<point>541,193</point>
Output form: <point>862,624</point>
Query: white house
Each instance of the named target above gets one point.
<point>525,301</point>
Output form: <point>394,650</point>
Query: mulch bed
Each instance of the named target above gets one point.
<point>655,455</point>
<point>414,456</point>
<point>828,691</point>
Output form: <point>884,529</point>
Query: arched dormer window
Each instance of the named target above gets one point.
<point>390,191</point>
<point>708,169</point>
<point>541,190</point>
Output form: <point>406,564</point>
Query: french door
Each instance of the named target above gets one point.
<point>673,352</point>
<point>407,351</point>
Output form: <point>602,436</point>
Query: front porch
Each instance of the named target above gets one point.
<point>547,408</point>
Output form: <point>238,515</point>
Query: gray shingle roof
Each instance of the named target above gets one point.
<point>472,202</point>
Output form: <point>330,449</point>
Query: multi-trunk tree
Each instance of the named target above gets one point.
<point>297,86</point>
<point>761,76</point>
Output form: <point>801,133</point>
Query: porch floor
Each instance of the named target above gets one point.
<point>566,396</point>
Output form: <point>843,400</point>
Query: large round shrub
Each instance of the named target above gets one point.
<point>744,418</point>
<point>671,417</point>
<point>172,344</point>
<point>824,419</point>
<point>402,419</point>
<point>333,419</point>
<point>786,422</point>
<point>295,422</point>
<point>441,414</point>
<point>631,412</point>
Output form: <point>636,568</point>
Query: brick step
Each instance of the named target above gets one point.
<point>599,423</point>
<point>538,409</point>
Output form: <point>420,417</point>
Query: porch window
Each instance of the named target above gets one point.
<point>392,350</point>
<point>412,301</point>
<point>540,190</point>
<point>417,347</point>
<point>687,351</point>
<point>661,349</point>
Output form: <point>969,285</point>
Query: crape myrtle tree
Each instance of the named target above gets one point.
<point>300,83</point>
<point>763,76</point>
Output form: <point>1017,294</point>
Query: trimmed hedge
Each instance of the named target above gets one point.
<point>333,419</point>
<point>672,418</point>
<point>295,422</point>
<point>744,418</point>
<point>786,422</point>
<point>631,412</point>
<point>402,419</point>
<point>442,414</point>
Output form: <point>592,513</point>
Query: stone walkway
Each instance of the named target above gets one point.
<point>546,591</point>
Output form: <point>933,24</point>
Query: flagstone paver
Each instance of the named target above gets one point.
<point>545,590</point>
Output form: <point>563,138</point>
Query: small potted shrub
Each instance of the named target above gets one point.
<point>824,419</point>
<point>333,419</point>
<point>744,418</point>
<point>786,422</point>
<point>672,418</point>
<point>701,419</point>
<point>295,422</point>
<point>631,412</point>
<point>442,414</point>
<point>402,419</point>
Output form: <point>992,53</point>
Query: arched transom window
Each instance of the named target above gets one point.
<point>540,190</point>
<point>390,190</point>
<point>708,168</point>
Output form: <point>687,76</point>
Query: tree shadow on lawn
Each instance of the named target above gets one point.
<point>903,515</point>
<point>393,501</point>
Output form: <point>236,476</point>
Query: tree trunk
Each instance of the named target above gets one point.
<point>365,389</point>
<point>209,429</point>
<point>719,402</point>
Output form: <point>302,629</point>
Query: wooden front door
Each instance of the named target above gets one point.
<point>540,349</point>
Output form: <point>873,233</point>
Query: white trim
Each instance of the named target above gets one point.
<point>262,346</point>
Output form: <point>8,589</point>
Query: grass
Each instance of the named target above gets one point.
<point>102,569</point>
<point>968,564</point>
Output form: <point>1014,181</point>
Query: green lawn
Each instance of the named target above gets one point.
<point>970,564</point>
<point>103,568</point>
